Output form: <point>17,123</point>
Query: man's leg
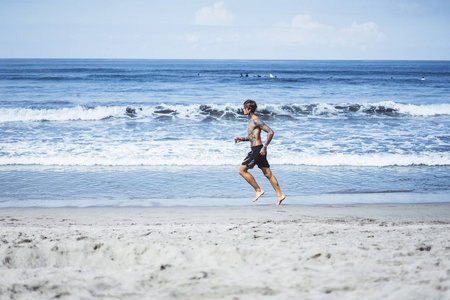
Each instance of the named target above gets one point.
<point>274,182</point>
<point>243,171</point>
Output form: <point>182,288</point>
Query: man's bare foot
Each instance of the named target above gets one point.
<point>280,199</point>
<point>257,195</point>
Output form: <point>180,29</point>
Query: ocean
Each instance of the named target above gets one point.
<point>86,132</point>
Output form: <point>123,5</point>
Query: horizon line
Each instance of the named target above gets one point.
<point>251,59</point>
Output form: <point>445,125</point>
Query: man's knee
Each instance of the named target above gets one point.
<point>267,173</point>
<point>242,171</point>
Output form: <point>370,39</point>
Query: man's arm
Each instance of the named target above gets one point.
<point>269,132</point>
<point>241,139</point>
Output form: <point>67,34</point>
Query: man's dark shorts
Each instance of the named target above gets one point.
<point>255,158</point>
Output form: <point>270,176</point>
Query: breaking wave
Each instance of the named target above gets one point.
<point>205,112</point>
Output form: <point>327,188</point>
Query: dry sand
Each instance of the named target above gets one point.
<point>253,252</point>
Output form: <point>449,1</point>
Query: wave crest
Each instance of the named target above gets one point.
<point>205,112</point>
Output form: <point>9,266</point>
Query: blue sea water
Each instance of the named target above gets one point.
<point>160,132</point>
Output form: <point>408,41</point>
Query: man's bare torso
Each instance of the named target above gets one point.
<point>255,125</point>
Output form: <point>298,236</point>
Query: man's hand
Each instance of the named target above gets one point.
<point>237,140</point>
<point>263,150</point>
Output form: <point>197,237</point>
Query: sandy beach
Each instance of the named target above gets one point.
<point>378,251</point>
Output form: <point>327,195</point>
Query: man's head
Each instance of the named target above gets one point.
<point>250,106</point>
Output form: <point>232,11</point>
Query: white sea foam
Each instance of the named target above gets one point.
<point>63,114</point>
<point>225,111</point>
<point>366,160</point>
<point>308,141</point>
<point>417,110</point>
<point>204,155</point>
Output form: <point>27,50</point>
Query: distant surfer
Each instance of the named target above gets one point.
<point>258,154</point>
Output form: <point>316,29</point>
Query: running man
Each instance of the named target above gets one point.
<point>258,153</point>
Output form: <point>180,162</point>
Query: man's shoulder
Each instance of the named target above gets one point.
<point>255,117</point>
<point>257,121</point>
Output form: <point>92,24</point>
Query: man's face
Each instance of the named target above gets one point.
<point>245,111</point>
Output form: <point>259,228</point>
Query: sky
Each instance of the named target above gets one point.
<point>227,29</point>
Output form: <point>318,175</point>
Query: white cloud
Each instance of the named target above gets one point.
<point>217,15</point>
<point>362,36</point>
<point>305,22</point>
<point>301,35</point>
<point>302,30</point>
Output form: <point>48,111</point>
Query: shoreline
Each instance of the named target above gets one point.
<point>386,198</point>
<point>369,251</point>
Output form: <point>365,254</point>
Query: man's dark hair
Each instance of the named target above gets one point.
<point>250,105</point>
